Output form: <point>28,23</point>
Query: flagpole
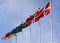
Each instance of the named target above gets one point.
<point>40,31</point>
<point>16,37</point>
<point>30,33</point>
<point>11,40</point>
<point>22,34</point>
<point>51,22</point>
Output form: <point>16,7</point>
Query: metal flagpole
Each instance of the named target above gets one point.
<point>22,34</point>
<point>16,37</point>
<point>11,40</point>
<point>40,31</point>
<point>51,22</point>
<point>30,34</point>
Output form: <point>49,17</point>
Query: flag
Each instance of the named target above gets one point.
<point>33,18</point>
<point>47,5</point>
<point>47,8</point>
<point>8,35</point>
<point>44,11</point>
<point>30,18</point>
<point>39,14</point>
<point>17,29</point>
<point>26,24</point>
<point>13,32</point>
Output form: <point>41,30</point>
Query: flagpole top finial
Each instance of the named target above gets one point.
<point>30,15</point>
<point>22,21</point>
<point>38,8</point>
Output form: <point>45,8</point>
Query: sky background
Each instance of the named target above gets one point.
<point>13,12</point>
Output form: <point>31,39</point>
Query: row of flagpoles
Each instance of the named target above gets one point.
<point>40,34</point>
<point>51,23</point>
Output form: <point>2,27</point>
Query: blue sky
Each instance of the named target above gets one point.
<point>13,12</point>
